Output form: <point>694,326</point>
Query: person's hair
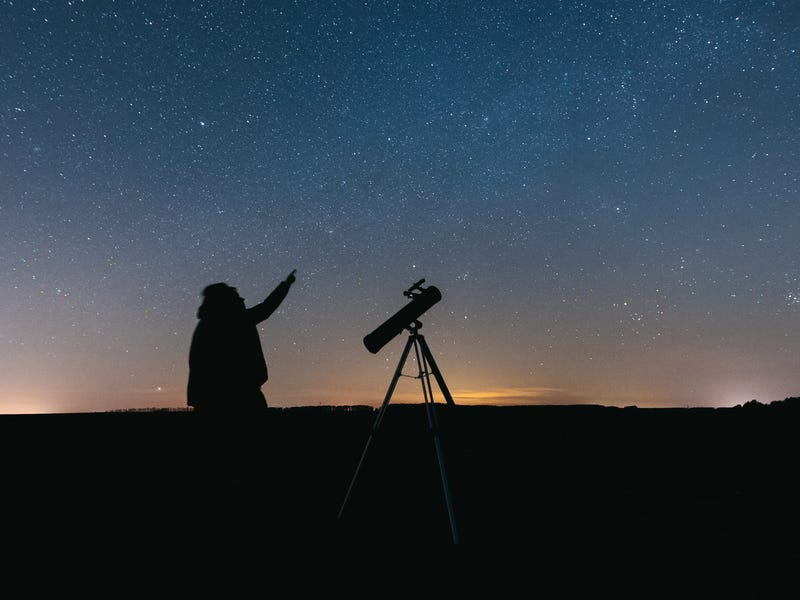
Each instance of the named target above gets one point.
<point>218,298</point>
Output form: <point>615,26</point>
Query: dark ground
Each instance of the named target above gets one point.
<point>578,481</point>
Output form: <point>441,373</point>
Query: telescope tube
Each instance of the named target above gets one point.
<point>385,332</point>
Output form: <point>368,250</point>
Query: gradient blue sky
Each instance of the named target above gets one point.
<point>606,193</point>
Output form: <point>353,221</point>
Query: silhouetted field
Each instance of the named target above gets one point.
<point>574,481</point>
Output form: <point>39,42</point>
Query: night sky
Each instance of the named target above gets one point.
<point>607,195</point>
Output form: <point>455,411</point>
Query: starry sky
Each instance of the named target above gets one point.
<point>605,193</point>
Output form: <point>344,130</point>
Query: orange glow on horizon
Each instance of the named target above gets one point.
<point>516,395</point>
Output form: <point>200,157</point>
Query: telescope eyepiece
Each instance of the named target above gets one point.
<point>415,287</point>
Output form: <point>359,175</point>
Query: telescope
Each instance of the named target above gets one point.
<point>406,318</point>
<point>421,300</point>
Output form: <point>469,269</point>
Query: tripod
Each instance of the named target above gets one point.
<point>427,365</point>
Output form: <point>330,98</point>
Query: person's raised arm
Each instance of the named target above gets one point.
<point>261,311</point>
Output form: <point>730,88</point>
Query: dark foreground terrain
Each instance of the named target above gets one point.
<point>579,481</point>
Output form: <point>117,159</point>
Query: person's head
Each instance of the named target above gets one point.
<point>220,299</point>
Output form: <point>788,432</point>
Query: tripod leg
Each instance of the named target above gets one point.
<point>433,426</point>
<point>426,352</point>
<point>398,372</point>
<point>446,488</point>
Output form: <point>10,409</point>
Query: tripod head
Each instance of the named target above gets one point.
<point>413,327</point>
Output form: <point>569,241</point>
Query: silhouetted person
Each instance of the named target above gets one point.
<point>226,371</point>
<point>226,362</point>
